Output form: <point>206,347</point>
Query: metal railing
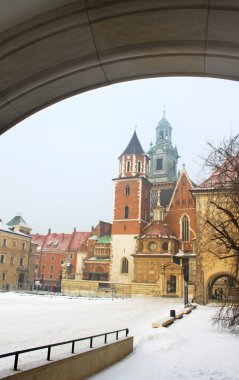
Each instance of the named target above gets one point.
<point>72,342</point>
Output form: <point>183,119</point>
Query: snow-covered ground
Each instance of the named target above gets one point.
<point>189,349</point>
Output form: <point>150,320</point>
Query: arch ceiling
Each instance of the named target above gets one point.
<point>52,49</point>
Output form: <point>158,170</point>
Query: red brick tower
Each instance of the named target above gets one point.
<point>131,208</point>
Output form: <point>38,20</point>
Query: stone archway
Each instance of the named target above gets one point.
<point>218,285</point>
<point>53,49</point>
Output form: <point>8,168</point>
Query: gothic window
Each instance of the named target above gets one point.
<point>159,164</point>
<point>185,228</point>
<point>125,266</point>
<point>139,167</point>
<point>126,212</point>
<point>127,190</point>
<point>128,166</point>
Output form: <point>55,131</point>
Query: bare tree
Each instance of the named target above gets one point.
<point>221,221</point>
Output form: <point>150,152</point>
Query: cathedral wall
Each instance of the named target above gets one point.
<point>123,246</point>
<point>173,218</point>
<point>181,204</point>
<point>122,200</point>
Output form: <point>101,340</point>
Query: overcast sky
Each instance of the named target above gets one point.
<point>57,166</point>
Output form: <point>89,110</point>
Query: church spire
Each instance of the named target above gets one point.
<point>163,112</point>
<point>134,161</point>
<point>163,155</point>
<point>134,146</point>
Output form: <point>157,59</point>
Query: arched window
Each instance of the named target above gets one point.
<point>125,266</point>
<point>139,167</point>
<point>126,212</point>
<point>185,228</point>
<point>128,166</point>
<point>127,190</point>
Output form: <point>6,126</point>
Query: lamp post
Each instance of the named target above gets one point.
<point>185,293</point>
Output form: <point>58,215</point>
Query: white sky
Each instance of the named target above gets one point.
<point>57,166</point>
<point>189,349</point>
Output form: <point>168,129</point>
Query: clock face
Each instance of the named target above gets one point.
<point>152,246</point>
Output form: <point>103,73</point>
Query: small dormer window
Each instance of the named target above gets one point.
<point>49,244</point>
<point>55,243</point>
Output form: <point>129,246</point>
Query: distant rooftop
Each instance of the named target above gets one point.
<point>106,239</point>
<point>4,227</point>
<point>18,221</point>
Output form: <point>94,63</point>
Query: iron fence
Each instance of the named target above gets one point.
<point>72,342</point>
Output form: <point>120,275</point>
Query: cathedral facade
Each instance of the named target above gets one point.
<point>154,217</point>
<point>153,228</point>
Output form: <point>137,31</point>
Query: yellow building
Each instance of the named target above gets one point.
<point>15,249</point>
<point>217,261</point>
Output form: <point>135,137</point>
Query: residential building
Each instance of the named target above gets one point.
<point>15,248</point>
<point>57,256</point>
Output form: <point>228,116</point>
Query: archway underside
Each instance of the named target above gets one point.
<point>68,47</point>
<point>221,285</point>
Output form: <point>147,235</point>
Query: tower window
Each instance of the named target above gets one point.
<point>159,164</point>
<point>161,135</point>
<point>128,166</point>
<point>126,212</point>
<point>127,190</point>
<point>139,167</point>
<point>125,266</point>
<point>185,228</point>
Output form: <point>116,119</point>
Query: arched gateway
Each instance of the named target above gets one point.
<point>52,49</point>
<point>221,287</point>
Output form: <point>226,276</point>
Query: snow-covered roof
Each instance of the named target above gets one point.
<point>4,227</point>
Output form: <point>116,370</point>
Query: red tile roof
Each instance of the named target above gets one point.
<point>227,174</point>
<point>60,242</point>
<point>78,239</point>
<point>38,239</point>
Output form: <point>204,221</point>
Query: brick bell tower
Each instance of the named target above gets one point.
<point>131,208</point>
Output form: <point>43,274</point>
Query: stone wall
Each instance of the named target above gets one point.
<point>105,289</point>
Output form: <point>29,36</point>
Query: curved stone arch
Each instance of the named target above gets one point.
<point>213,278</point>
<point>60,48</point>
